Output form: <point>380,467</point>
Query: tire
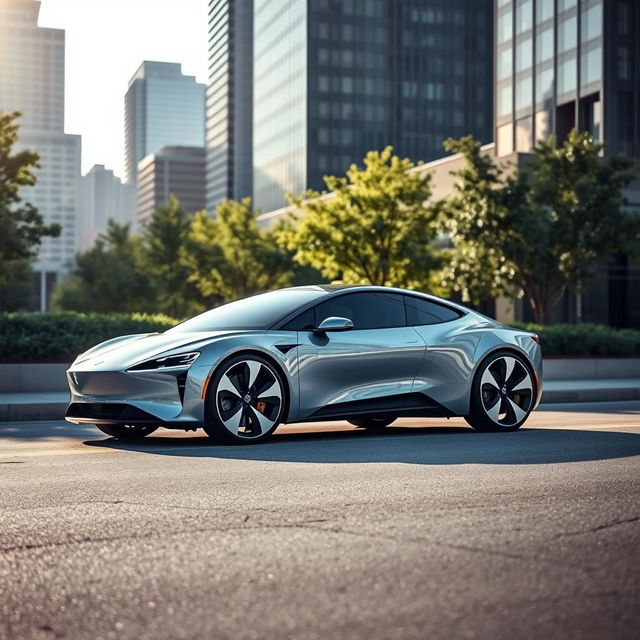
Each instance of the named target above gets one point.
<point>126,431</point>
<point>373,423</point>
<point>245,401</point>
<point>502,394</point>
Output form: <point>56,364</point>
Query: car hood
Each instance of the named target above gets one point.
<point>126,351</point>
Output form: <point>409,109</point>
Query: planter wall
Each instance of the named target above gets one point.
<point>35,377</point>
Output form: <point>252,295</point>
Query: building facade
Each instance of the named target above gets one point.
<point>229,115</point>
<point>551,59</point>
<point>337,78</point>
<point>178,171</point>
<point>103,197</point>
<point>574,63</point>
<point>163,107</point>
<point>32,80</point>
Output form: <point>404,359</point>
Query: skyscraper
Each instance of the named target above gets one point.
<point>32,81</point>
<point>103,197</point>
<point>336,78</point>
<point>162,107</point>
<point>550,72</point>
<point>178,171</point>
<point>229,101</point>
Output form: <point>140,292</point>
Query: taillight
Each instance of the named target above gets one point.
<point>536,338</point>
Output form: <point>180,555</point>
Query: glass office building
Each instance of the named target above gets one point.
<point>551,57</point>
<point>229,101</point>
<point>163,107</point>
<point>337,78</point>
<point>561,64</point>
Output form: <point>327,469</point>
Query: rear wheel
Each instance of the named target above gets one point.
<point>502,394</point>
<point>372,423</point>
<point>126,431</point>
<point>245,402</point>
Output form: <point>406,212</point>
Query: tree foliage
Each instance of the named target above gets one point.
<point>109,277</point>
<point>21,225</point>
<point>538,228</point>
<point>375,228</point>
<point>231,257</point>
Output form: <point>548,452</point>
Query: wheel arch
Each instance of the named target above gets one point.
<point>265,355</point>
<point>501,349</point>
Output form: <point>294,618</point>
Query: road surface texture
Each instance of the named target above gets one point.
<point>426,531</point>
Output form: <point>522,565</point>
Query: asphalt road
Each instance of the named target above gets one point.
<point>426,531</point>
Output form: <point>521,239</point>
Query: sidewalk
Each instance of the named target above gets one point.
<point>52,405</point>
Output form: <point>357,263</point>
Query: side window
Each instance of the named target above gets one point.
<point>302,322</point>
<point>421,311</point>
<point>373,310</point>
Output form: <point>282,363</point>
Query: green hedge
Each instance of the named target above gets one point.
<point>585,339</point>
<point>59,337</point>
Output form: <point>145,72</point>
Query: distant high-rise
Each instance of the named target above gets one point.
<point>334,79</point>
<point>32,81</point>
<point>229,101</point>
<point>162,107</point>
<point>551,59</point>
<point>103,197</point>
<point>178,171</point>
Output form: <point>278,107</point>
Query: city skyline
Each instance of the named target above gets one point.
<point>97,72</point>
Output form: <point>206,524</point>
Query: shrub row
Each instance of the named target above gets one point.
<point>585,340</point>
<point>61,336</point>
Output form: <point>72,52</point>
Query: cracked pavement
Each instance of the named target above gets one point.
<point>428,530</point>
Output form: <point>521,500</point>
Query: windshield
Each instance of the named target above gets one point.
<point>256,312</point>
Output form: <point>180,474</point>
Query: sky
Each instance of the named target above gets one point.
<point>106,40</point>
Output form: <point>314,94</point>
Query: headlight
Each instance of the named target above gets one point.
<point>179,361</point>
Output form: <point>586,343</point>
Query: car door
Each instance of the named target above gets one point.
<point>378,358</point>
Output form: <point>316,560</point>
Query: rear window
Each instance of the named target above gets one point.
<point>421,311</point>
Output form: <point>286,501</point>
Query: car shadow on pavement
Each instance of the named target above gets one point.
<point>426,445</point>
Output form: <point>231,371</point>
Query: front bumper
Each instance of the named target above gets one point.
<point>150,398</point>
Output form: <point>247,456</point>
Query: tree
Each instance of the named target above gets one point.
<point>538,228</point>
<point>163,237</point>
<point>107,278</point>
<point>21,226</point>
<point>375,228</point>
<point>231,257</point>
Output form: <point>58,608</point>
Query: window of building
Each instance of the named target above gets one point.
<point>543,125</point>
<point>505,63</point>
<point>592,115</point>
<point>524,16</point>
<point>544,10</point>
<point>567,34</point>
<point>505,26</point>
<point>624,69</point>
<point>544,44</point>
<point>524,135</point>
<point>623,18</point>
<point>544,86</point>
<point>422,312</point>
<point>591,23</point>
<point>504,140</point>
<point>524,93</point>
<point>365,310</point>
<point>524,54</point>
<point>567,76</point>
<point>591,66</point>
<point>505,99</point>
<point>563,5</point>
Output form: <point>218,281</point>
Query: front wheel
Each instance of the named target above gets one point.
<point>502,394</point>
<point>373,423</point>
<point>245,401</point>
<point>126,431</point>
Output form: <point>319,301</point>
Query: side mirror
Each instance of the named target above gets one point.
<point>334,324</point>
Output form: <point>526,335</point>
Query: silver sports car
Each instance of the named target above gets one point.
<point>361,353</point>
